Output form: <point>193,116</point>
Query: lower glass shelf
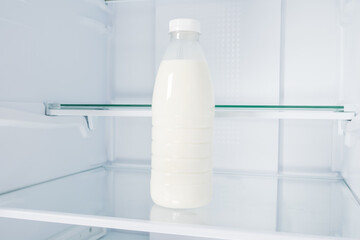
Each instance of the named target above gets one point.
<point>222,111</point>
<point>243,206</point>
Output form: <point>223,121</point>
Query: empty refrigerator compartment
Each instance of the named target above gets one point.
<point>118,197</point>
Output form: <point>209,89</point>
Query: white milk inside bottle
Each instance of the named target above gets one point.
<point>182,120</point>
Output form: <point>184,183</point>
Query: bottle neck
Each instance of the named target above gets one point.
<point>184,45</point>
<point>182,35</point>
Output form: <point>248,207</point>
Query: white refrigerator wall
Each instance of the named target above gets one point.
<point>259,52</point>
<point>51,51</point>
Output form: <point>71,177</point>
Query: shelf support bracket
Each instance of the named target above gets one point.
<point>89,123</point>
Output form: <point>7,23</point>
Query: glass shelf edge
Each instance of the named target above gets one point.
<point>220,106</point>
<point>221,111</point>
<point>148,226</point>
<point>126,220</point>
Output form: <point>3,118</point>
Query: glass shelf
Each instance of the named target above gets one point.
<point>222,111</point>
<point>243,206</point>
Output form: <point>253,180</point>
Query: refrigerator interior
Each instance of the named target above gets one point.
<point>277,175</point>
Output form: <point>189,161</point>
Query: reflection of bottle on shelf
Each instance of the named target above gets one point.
<point>182,118</point>
<point>184,216</point>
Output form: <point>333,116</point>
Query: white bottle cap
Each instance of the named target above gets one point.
<point>184,24</point>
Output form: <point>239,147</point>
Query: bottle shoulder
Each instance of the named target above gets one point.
<point>181,78</point>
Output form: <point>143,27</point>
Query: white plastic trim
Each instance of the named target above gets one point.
<point>150,226</point>
<point>128,112</point>
<point>220,113</point>
<point>352,132</point>
<point>31,115</point>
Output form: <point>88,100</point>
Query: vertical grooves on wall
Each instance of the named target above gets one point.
<point>281,81</point>
<point>111,56</point>
<point>281,122</point>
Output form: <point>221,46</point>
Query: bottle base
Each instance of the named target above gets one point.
<point>180,196</point>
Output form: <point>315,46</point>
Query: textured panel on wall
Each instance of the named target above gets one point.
<point>241,40</point>
<point>246,145</point>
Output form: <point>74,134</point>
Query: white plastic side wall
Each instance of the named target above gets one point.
<point>350,22</point>
<point>51,51</point>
